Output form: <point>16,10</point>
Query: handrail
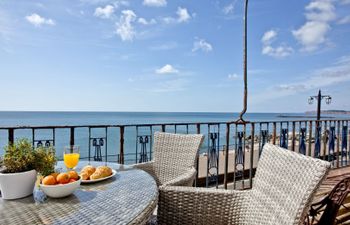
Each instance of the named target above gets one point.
<point>232,148</point>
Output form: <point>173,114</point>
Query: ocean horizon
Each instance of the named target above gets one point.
<point>58,118</point>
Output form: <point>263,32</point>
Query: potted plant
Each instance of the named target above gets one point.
<point>20,165</point>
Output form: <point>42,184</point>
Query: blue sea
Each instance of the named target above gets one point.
<point>107,118</point>
<point>111,144</point>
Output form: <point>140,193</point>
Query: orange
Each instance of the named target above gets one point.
<point>63,178</point>
<point>73,175</point>
<point>49,180</point>
<point>54,175</point>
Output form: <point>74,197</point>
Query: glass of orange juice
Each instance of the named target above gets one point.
<point>71,156</point>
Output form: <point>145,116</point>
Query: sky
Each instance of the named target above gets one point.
<point>172,56</point>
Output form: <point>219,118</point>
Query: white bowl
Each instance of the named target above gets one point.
<point>60,190</point>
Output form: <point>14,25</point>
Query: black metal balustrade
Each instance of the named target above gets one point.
<point>229,154</point>
<point>213,159</point>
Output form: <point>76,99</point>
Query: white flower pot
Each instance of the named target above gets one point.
<point>17,185</point>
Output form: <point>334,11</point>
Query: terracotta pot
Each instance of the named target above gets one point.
<point>17,185</point>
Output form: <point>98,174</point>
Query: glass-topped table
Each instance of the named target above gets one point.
<point>130,197</point>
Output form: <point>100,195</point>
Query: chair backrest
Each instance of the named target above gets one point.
<point>174,154</point>
<point>284,185</point>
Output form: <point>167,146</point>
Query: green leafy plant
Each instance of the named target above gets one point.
<point>45,160</point>
<point>18,157</point>
<point>21,156</point>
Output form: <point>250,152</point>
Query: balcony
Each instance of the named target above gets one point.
<point>228,157</point>
<point>229,153</point>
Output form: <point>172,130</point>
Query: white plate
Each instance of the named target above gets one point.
<point>101,179</point>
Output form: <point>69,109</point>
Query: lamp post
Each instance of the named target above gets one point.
<point>319,98</point>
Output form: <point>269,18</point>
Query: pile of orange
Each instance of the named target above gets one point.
<point>60,178</point>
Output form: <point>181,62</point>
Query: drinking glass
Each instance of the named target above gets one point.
<point>71,156</point>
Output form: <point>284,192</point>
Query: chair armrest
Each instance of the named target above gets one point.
<point>185,179</point>
<point>187,205</point>
<point>147,167</point>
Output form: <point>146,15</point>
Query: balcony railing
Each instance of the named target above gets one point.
<point>228,156</point>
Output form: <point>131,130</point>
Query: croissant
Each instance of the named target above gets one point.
<point>101,172</point>
<point>84,176</point>
<point>87,171</point>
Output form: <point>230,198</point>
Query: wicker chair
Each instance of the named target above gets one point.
<point>283,187</point>
<point>329,206</point>
<point>174,158</point>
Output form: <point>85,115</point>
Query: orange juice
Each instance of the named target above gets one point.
<point>71,160</point>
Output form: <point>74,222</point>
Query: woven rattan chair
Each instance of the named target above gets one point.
<point>174,158</point>
<point>283,187</point>
<point>329,206</point>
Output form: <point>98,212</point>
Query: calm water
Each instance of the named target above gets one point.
<point>107,118</point>
<point>116,118</point>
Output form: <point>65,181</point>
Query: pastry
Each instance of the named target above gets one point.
<point>84,176</point>
<point>101,172</point>
<point>89,170</point>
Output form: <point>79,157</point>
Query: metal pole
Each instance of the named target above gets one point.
<point>226,154</point>
<point>245,63</point>
<point>71,139</point>
<point>121,145</point>
<point>319,97</point>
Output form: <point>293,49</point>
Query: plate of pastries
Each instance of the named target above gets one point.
<point>91,174</point>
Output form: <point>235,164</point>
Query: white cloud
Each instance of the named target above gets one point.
<point>183,15</point>
<point>145,22</point>
<point>169,20</point>
<point>125,29</point>
<point>338,72</point>
<point>233,76</point>
<point>320,10</point>
<point>203,45</point>
<point>280,51</point>
<point>38,21</point>
<point>167,69</point>
<point>269,36</point>
<point>105,12</point>
<point>229,8</point>
<point>319,14</point>
<point>155,3</point>
<point>277,52</point>
<point>142,21</point>
<point>344,20</point>
<point>312,34</point>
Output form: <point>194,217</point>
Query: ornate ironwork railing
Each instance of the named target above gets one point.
<point>213,158</point>
<point>229,154</point>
